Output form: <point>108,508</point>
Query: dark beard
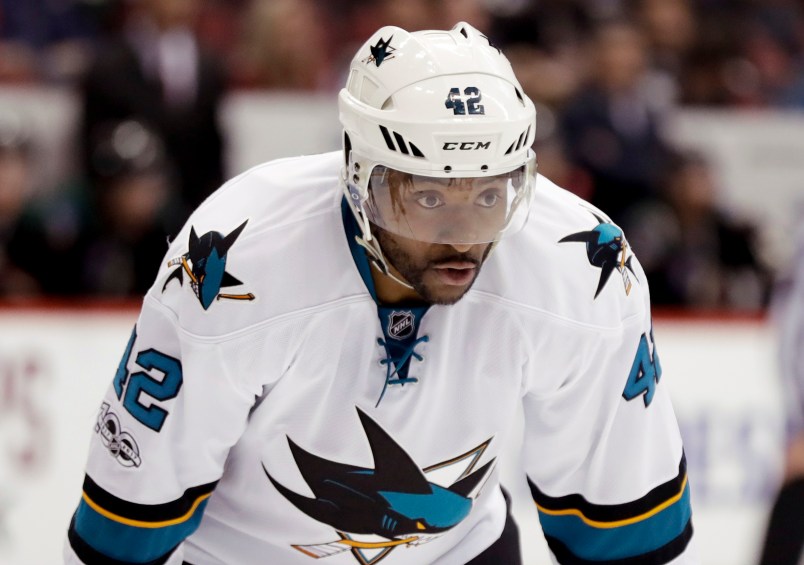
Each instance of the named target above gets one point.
<point>413,271</point>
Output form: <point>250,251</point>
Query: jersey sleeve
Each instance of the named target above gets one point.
<point>602,449</point>
<point>161,437</point>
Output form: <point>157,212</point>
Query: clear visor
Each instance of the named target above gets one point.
<point>466,210</point>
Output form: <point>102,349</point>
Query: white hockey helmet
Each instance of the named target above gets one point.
<point>437,138</point>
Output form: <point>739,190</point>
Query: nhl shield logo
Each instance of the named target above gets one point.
<point>400,324</point>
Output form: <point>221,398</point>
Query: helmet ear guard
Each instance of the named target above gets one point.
<point>438,104</point>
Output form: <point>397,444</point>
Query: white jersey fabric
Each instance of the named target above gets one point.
<point>250,420</point>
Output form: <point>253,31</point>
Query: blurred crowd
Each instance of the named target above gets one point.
<point>151,76</point>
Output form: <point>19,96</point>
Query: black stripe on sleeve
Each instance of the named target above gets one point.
<point>614,512</point>
<point>659,556</point>
<point>145,512</point>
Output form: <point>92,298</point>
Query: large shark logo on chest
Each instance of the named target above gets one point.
<point>396,503</point>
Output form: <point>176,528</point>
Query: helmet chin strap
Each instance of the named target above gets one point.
<point>377,259</point>
<point>367,242</point>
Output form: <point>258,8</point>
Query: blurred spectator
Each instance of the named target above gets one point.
<point>554,165</point>
<point>284,45</point>
<point>411,15</point>
<point>747,54</point>
<point>549,78</point>
<point>100,237</point>
<point>129,201</point>
<point>15,190</point>
<point>543,42</point>
<point>611,127</point>
<point>474,12</point>
<point>784,537</point>
<point>548,25</point>
<point>671,31</point>
<point>778,75</point>
<point>158,72</point>
<point>708,70</point>
<point>219,25</point>
<point>693,254</point>
<point>47,39</point>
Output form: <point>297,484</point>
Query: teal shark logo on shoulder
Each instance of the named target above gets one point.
<point>394,504</point>
<point>606,249</point>
<point>205,266</point>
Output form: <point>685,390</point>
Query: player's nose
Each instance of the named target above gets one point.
<point>460,226</point>
<point>461,247</point>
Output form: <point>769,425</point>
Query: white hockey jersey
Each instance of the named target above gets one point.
<point>257,417</point>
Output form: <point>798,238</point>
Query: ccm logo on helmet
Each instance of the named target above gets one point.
<point>466,145</point>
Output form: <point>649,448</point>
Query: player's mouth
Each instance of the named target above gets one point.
<point>455,273</point>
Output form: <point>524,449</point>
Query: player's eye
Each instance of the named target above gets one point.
<point>429,201</point>
<point>488,199</point>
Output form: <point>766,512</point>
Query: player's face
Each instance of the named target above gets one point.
<point>439,273</point>
<point>465,211</point>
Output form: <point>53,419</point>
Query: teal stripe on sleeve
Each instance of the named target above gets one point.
<point>130,543</point>
<point>598,541</point>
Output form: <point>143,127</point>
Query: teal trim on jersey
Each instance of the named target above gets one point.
<point>398,349</point>
<point>601,541</point>
<point>396,368</point>
<point>211,285</point>
<point>440,508</point>
<point>132,544</point>
<point>358,253</point>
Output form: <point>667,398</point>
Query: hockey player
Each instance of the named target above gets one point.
<point>330,374</point>
<point>783,543</point>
